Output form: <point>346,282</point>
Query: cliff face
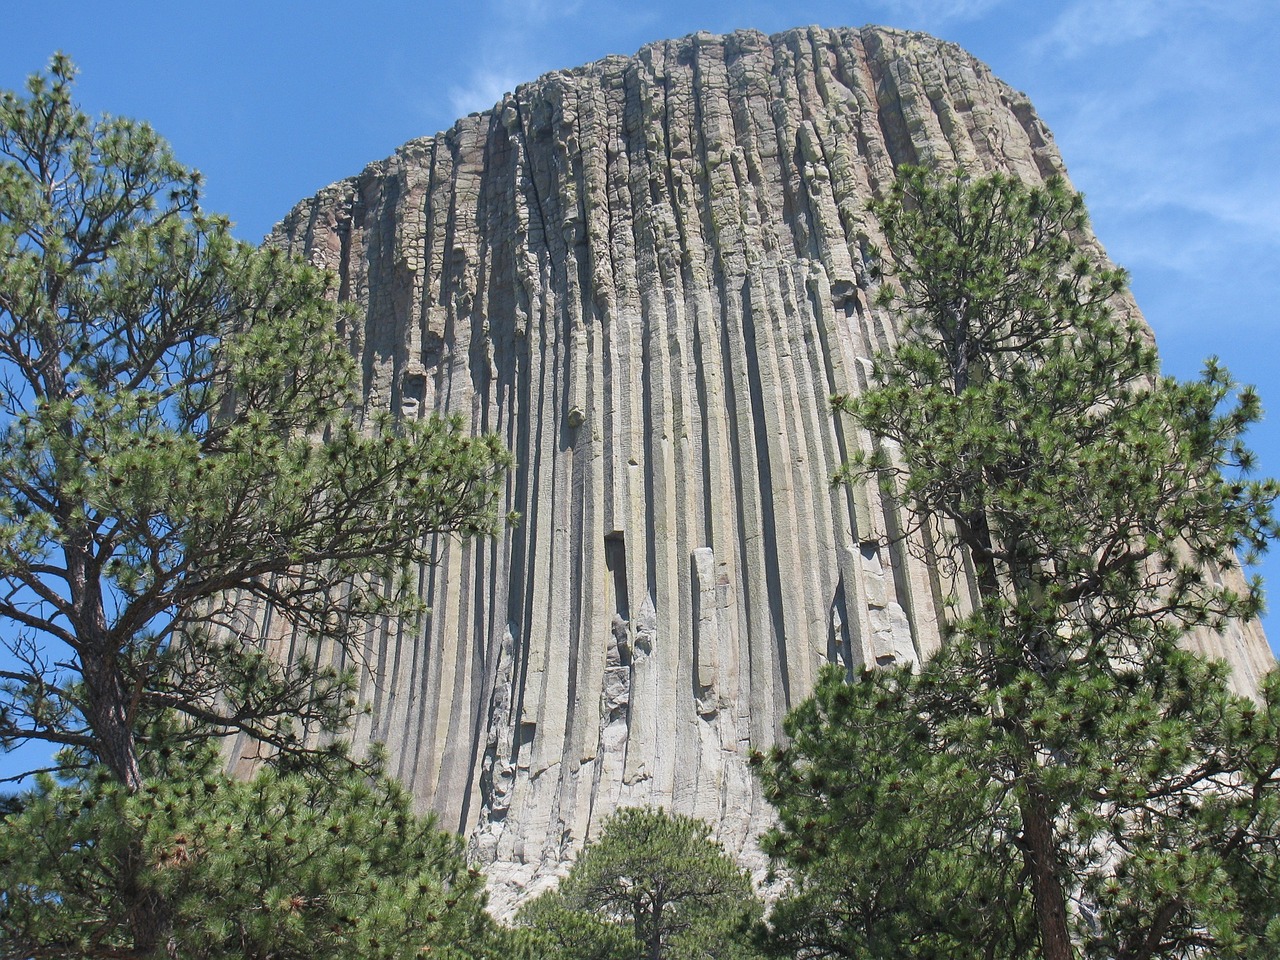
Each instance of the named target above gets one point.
<point>647,275</point>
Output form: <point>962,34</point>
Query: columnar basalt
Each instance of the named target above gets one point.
<point>648,275</point>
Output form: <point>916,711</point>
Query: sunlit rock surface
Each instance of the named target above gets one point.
<point>648,275</point>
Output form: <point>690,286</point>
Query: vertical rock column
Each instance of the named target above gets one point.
<point>648,275</point>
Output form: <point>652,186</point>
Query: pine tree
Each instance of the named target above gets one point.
<point>281,866</point>
<point>555,928</point>
<point>1062,759</point>
<point>177,448</point>
<point>654,886</point>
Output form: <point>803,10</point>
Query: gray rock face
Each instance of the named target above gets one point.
<point>647,275</point>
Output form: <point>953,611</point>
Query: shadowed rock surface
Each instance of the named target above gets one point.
<point>647,275</point>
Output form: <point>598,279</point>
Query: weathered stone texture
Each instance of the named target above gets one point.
<point>647,275</point>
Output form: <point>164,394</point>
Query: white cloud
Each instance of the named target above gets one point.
<point>482,90</point>
<point>1162,113</point>
<point>1085,25</point>
<point>541,10</point>
<point>1088,24</point>
<point>931,13</point>
<point>505,50</point>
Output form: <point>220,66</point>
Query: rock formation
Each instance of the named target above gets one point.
<point>647,275</point>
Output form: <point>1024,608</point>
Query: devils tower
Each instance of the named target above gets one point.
<point>647,275</point>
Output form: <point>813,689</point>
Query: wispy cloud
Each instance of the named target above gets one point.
<point>506,53</point>
<point>1163,113</point>
<point>541,10</point>
<point>1086,25</point>
<point>484,88</point>
<point>931,14</point>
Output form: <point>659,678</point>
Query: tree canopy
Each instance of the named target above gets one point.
<point>1062,776</point>
<point>279,866</point>
<point>654,886</point>
<point>184,483</point>
<point>176,442</point>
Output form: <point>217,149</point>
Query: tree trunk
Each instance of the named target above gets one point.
<point>108,715</point>
<point>109,712</point>
<point>1046,883</point>
<point>1039,847</point>
<point>149,921</point>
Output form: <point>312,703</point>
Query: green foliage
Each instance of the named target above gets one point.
<point>279,866</point>
<point>1061,777</point>
<point>654,885</point>
<point>559,929</point>
<point>901,818</point>
<point>183,482</point>
<point>887,832</point>
<point>175,444</point>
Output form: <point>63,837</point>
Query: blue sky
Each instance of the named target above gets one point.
<point>1166,111</point>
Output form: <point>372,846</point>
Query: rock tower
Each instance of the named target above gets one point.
<point>647,275</point>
